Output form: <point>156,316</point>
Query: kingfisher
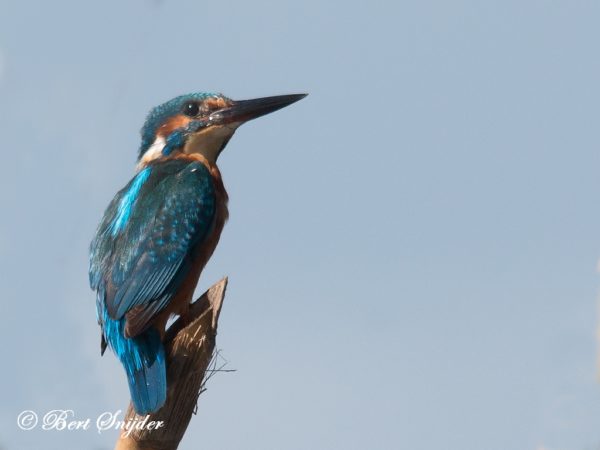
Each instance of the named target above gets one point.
<point>160,230</point>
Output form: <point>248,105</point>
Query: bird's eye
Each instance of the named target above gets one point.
<point>191,109</point>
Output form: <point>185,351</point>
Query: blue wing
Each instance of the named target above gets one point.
<point>142,250</point>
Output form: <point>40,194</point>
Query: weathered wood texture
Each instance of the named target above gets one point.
<point>190,343</point>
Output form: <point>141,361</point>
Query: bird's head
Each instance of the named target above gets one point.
<point>201,123</point>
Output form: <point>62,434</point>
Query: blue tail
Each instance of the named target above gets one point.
<point>143,358</point>
<point>148,383</point>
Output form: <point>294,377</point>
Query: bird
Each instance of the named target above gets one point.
<point>160,230</point>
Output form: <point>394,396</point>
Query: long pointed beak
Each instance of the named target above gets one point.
<point>244,110</point>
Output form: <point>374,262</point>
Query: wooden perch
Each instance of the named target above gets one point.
<point>189,345</point>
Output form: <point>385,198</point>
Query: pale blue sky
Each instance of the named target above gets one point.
<point>412,249</point>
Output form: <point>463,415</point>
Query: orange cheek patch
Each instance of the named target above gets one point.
<point>213,103</point>
<point>179,121</point>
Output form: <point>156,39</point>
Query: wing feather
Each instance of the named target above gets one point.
<point>140,257</point>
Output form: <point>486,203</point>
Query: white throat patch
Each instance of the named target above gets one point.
<point>209,141</point>
<point>153,152</point>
